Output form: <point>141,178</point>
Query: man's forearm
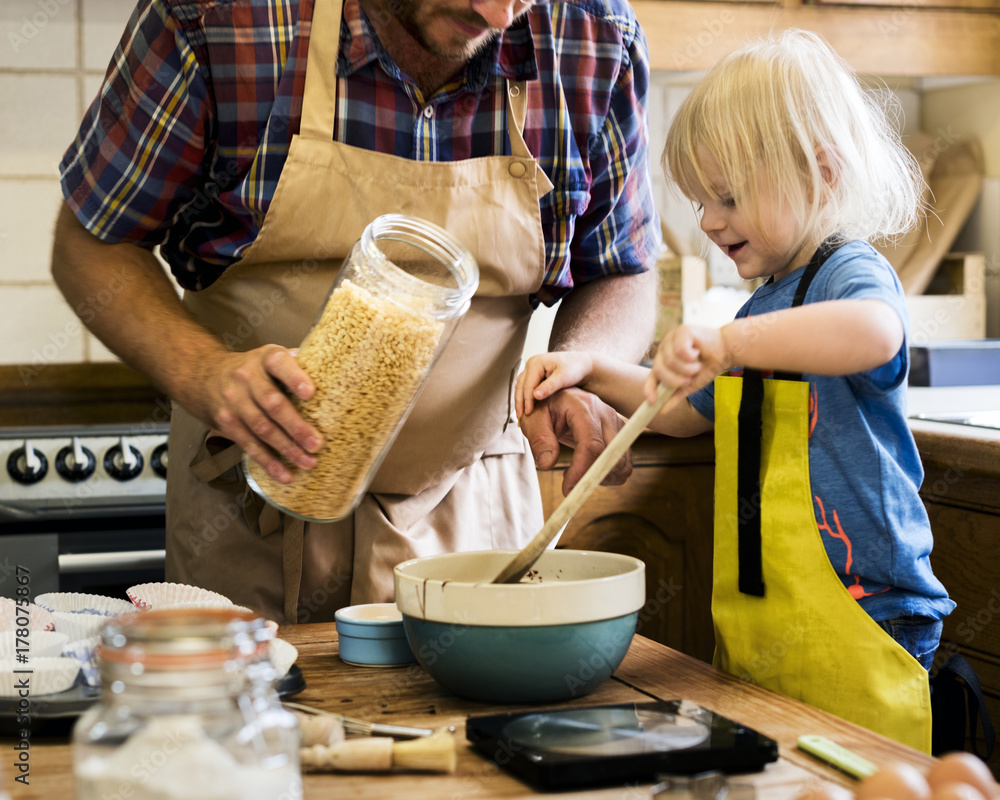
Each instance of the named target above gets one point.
<point>123,296</point>
<point>240,394</point>
<point>614,316</point>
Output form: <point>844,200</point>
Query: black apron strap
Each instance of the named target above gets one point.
<point>748,457</point>
<point>956,696</point>
<point>751,573</point>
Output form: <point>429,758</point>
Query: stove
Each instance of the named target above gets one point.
<point>83,507</point>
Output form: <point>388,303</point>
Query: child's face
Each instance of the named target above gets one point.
<point>738,235</point>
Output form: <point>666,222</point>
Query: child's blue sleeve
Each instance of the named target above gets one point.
<point>704,401</point>
<point>865,275</point>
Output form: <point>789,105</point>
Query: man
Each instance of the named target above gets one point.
<point>253,143</point>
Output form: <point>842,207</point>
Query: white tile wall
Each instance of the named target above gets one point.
<point>27,212</point>
<point>43,331</point>
<point>103,23</point>
<point>38,34</point>
<point>37,120</point>
<point>53,54</point>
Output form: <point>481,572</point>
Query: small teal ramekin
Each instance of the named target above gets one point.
<point>372,635</point>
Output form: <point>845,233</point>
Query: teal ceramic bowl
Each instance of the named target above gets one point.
<point>555,637</point>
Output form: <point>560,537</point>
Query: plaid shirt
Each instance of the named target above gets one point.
<point>185,143</point>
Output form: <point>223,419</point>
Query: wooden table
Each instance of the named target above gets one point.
<point>405,695</point>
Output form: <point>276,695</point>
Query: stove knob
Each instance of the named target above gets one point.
<point>26,464</point>
<point>158,460</point>
<point>75,462</point>
<point>123,462</point>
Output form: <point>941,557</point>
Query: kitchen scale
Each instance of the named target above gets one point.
<point>569,748</point>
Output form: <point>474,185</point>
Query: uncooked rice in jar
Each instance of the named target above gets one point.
<point>367,356</point>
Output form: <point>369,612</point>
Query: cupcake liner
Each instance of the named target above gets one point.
<point>80,603</point>
<point>212,604</point>
<point>282,655</point>
<point>47,676</point>
<point>157,595</point>
<point>84,651</point>
<point>40,644</point>
<point>78,624</point>
<point>39,619</point>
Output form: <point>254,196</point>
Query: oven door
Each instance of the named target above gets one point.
<point>97,554</point>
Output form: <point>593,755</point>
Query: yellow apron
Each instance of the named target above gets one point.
<point>459,476</point>
<point>783,618</point>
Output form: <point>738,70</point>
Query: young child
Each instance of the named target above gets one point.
<point>823,587</point>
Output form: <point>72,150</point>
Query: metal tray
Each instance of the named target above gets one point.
<point>55,714</point>
<point>976,419</point>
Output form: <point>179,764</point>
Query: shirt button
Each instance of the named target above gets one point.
<point>517,169</point>
<point>428,112</point>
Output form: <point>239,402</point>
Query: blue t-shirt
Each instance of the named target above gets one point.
<point>864,467</point>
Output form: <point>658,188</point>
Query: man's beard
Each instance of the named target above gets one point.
<point>417,28</point>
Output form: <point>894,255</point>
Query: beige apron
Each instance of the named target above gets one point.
<point>459,476</point>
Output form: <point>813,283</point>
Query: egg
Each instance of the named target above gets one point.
<point>965,768</point>
<point>956,791</point>
<point>895,781</point>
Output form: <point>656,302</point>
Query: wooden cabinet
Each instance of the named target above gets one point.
<point>961,491</point>
<point>943,37</point>
<point>78,394</point>
<point>662,515</point>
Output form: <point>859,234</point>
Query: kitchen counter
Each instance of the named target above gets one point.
<point>405,695</point>
<point>965,447</point>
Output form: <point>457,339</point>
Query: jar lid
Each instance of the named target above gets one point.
<point>179,638</point>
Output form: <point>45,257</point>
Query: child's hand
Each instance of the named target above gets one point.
<point>687,359</point>
<point>546,374</point>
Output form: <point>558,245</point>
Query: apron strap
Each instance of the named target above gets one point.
<point>292,543</point>
<point>208,466</point>
<point>748,457</point>
<point>750,426</point>
<point>319,97</point>
<point>825,250</point>
<point>517,111</point>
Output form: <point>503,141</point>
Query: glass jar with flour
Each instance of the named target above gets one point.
<point>187,709</point>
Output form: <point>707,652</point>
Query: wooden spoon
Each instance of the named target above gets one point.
<point>636,424</point>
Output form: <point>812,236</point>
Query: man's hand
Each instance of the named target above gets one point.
<point>243,396</point>
<point>579,420</point>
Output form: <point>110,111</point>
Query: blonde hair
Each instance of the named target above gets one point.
<point>775,114</point>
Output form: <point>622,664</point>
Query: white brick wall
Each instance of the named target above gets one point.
<point>53,54</point>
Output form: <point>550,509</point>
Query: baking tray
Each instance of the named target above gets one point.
<point>56,714</point>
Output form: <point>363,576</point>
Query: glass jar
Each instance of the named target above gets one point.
<point>187,709</point>
<point>396,301</point>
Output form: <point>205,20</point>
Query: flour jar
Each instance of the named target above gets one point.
<point>187,709</point>
<point>398,297</point>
